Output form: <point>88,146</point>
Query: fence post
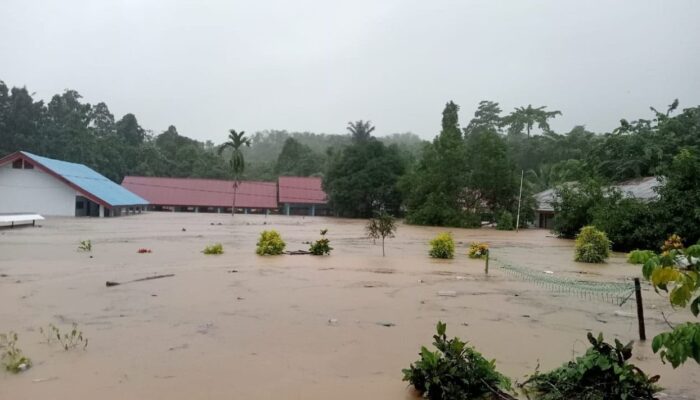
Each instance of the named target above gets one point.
<point>487,263</point>
<point>640,309</point>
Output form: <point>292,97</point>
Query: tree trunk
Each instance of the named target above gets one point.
<point>235,189</point>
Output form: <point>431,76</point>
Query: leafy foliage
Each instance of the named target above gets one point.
<point>382,226</point>
<point>478,250</point>
<point>68,341</point>
<point>215,249</point>
<point>11,356</point>
<point>363,178</point>
<point>270,243</point>
<point>321,246</point>
<point>602,373</point>
<point>442,246</point>
<point>592,245</point>
<point>455,371</point>
<point>504,221</point>
<point>676,271</point>
<point>640,256</point>
<point>85,245</point>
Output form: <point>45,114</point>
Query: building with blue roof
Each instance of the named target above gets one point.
<point>32,183</point>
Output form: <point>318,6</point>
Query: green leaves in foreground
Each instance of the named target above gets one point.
<point>602,373</point>
<point>681,343</point>
<point>455,371</point>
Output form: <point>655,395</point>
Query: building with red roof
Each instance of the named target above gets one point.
<point>212,195</point>
<point>295,195</point>
<point>302,195</point>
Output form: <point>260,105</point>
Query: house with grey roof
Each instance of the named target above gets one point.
<point>640,188</point>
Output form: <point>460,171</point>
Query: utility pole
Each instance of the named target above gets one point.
<point>520,197</point>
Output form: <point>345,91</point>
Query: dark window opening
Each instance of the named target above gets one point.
<point>17,164</point>
<point>28,165</point>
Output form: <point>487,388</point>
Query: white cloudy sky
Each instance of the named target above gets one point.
<point>207,66</point>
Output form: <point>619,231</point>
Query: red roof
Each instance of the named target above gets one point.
<point>293,189</point>
<point>202,192</point>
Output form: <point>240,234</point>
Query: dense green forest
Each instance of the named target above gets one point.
<point>465,175</point>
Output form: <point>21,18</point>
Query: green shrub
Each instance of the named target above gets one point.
<point>443,246</point>
<point>504,221</point>
<point>640,256</point>
<point>321,246</point>
<point>214,249</point>
<point>85,245</point>
<point>602,373</point>
<point>454,372</point>
<point>592,245</point>
<point>270,243</point>
<point>11,356</point>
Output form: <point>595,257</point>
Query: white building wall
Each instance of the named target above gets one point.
<point>30,190</point>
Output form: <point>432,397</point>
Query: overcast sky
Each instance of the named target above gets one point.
<point>207,66</point>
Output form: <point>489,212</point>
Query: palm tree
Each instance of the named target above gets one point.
<point>360,130</point>
<point>235,142</point>
<point>527,117</point>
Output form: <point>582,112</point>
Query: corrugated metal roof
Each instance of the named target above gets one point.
<point>202,192</point>
<point>89,181</point>
<point>640,188</point>
<point>301,190</point>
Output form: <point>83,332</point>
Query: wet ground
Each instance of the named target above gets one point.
<point>291,327</point>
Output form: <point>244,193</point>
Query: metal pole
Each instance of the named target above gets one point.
<point>520,197</point>
<point>640,309</point>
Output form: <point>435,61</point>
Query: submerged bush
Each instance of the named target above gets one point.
<point>592,245</point>
<point>454,372</point>
<point>478,250</point>
<point>443,246</point>
<point>214,249</point>
<point>602,373</point>
<point>504,221</point>
<point>321,246</point>
<point>11,356</point>
<point>640,256</point>
<point>270,243</point>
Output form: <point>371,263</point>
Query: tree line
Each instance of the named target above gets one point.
<point>465,175</point>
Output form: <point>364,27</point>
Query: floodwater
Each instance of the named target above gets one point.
<point>240,326</point>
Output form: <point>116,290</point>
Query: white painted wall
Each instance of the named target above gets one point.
<point>30,190</point>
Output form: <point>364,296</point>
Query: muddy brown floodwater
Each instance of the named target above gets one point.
<point>290,327</point>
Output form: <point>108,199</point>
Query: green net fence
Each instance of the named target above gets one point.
<point>612,292</point>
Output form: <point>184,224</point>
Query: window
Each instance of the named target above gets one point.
<point>28,165</point>
<point>17,164</point>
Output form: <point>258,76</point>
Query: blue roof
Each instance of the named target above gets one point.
<point>89,181</point>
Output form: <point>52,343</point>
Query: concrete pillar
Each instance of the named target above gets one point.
<point>286,208</point>
<point>218,210</point>
<point>245,211</point>
<point>196,209</point>
<point>102,211</point>
<point>313,210</point>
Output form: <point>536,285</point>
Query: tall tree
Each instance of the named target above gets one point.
<point>435,189</point>
<point>360,130</point>
<point>236,140</point>
<point>297,159</point>
<point>524,118</point>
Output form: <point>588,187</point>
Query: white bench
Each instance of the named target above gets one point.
<point>19,219</point>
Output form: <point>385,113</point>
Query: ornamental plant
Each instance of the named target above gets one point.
<point>592,245</point>
<point>455,371</point>
<point>640,256</point>
<point>478,250</point>
<point>443,246</point>
<point>270,243</point>
<point>214,249</point>
<point>321,246</point>
<point>674,242</point>
<point>603,372</point>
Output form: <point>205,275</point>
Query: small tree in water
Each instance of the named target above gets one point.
<point>380,227</point>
